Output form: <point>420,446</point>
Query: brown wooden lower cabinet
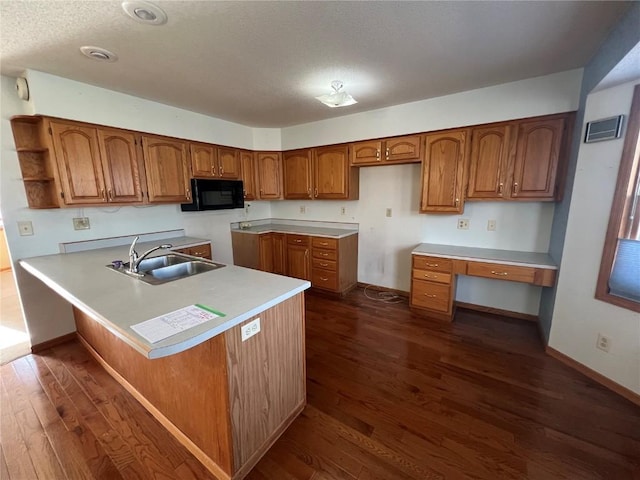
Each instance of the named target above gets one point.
<point>212,397</point>
<point>203,251</point>
<point>331,264</point>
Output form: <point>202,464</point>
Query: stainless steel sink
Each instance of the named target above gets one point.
<point>167,268</point>
<point>161,261</point>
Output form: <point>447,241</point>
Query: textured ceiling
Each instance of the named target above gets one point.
<point>261,63</point>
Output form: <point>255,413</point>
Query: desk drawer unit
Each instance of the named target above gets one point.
<point>514,273</point>
<point>432,296</point>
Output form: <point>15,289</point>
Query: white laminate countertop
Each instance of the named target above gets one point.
<point>118,301</point>
<point>504,257</point>
<point>298,229</point>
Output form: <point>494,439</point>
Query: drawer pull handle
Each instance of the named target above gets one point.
<point>502,274</point>
<point>430,276</point>
<point>197,253</point>
<point>324,279</point>
<point>430,295</point>
<point>323,243</point>
<point>324,254</point>
<point>432,264</point>
<point>298,240</point>
<point>500,188</point>
<point>515,188</point>
<point>324,264</point>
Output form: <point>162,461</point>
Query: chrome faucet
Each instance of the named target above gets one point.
<point>135,259</point>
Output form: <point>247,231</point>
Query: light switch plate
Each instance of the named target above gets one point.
<point>250,329</point>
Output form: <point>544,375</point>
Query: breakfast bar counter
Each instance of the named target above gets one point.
<point>226,388</point>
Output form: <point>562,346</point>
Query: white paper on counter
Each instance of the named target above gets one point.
<point>169,324</point>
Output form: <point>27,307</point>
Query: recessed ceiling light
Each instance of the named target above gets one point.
<point>99,54</point>
<point>145,12</point>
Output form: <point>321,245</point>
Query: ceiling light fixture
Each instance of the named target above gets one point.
<point>145,12</point>
<point>337,98</point>
<point>99,54</point>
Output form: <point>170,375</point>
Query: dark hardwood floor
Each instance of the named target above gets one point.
<point>391,395</point>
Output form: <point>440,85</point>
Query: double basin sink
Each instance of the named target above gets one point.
<point>167,268</point>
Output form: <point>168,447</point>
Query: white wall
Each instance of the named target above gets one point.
<point>385,243</point>
<point>578,316</point>
<point>47,316</point>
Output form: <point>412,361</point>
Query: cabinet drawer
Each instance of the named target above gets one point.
<point>429,295</point>
<point>203,251</point>
<point>434,264</point>
<point>501,272</point>
<point>324,279</point>
<point>325,254</point>
<point>297,239</point>
<point>432,276</point>
<point>322,242</point>
<point>320,263</point>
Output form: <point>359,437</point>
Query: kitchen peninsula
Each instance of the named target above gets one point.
<point>227,400</point>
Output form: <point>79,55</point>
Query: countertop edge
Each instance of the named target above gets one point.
<point>152,353</point>
<point>487,260</point>
<point>278,230</point>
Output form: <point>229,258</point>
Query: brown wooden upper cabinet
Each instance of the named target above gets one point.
<point>269,167</point>
<point>96,165</point>
<point>248,175</point>
<point>167,170</point>
<point>518,160</point>
<point>297,166</point>
<point>209,161</point>
<point>443,172</point>
<point>332,176</point>
<point>407,149</point>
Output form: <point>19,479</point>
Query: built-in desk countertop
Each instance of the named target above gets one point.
<point>435,267</point>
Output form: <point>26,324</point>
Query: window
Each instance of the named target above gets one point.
<point>619,278</point>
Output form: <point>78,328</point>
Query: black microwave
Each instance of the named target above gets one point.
<point>214,195</point>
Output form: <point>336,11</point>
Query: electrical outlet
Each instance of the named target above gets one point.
<point>81,223</point>
<point>389,212</point>
<point>603,343</point>
<point>463,224</point>
<point>343,210</point>
<point>491,225</point>
<point>25,228</point>
<point>303,209</point>
<point>250,329</point>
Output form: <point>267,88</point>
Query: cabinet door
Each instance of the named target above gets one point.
<point>228,163</point>
<point>298,262</point>
<point>331,173</point>
<point>536,161</point>
<point>248,171</point>
<point>296,168</point>
<point>366,153</point>
<point>279,254</point>
<point>443,172</point>
<point>203,160</point>
<point>403,149</point>
<point>265,252</point>
<point>121,164</point>
<point>78,159</point>
<point>165,162</point>
<point>488,162</point>
<point>269,175</point>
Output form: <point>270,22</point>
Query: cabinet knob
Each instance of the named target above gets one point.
<point>387,154</point>
<point>457,201</point>
<point>377,153</point>
<point>316,193</point>
<point>515,188</point>
<point>188,194</point>
<point>213,170</point>
<point>500,188</point>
